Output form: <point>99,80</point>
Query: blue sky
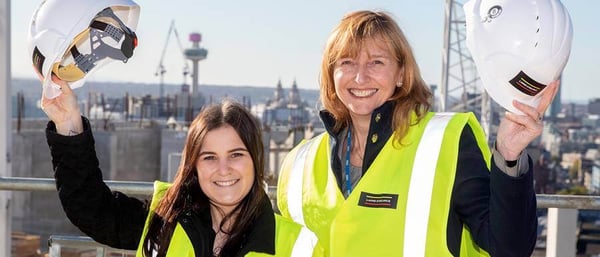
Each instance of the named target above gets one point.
<point>258,42</point>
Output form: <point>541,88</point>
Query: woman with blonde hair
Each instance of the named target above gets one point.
<point>391,178</point>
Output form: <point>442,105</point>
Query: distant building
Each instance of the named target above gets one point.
<point>556,106</point>
<point>285,122</point>
<point>595,185</point>
<point>594,106</point>
<point>591,121</point>
<point>574,110</point>
<point>290,112</point>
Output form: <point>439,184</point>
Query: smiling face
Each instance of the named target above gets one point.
<point>225,168</point>
<point>368,80</point>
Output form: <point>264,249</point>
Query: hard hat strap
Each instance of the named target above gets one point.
<point>99,49</point>
<point>107,12</point>
<point>84,62</point>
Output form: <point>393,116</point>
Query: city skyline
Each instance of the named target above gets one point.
<point>258,43</point>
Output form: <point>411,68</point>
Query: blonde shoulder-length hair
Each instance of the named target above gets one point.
<point>346,40</point>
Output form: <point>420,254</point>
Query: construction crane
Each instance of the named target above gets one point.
<point>160,70</point>
<point>461,88</point>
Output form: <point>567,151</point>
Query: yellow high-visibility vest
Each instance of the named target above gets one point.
<point>400,206</point>
<point>291,239</point>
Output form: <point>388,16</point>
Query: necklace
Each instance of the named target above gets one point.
<point>220,238</point>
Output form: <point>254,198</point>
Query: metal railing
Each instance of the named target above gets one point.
<point>146,188</point>
<point>126,187</point>
<point>48,184</point>
<point>56,243</point>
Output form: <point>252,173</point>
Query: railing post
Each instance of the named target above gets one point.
<point>561,233</point>
<point>5,127</point>
<point>54,250</point>
<point>100,252</point>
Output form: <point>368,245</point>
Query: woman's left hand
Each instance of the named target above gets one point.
<point>517,131</point>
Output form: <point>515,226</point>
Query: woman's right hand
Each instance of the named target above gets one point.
<point>63,110</point>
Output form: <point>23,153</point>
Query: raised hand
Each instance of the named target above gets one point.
<point>63,110</point>
<point>517,131</point>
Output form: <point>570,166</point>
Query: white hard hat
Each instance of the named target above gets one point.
<point>73,38</point>
<point>518,46</point>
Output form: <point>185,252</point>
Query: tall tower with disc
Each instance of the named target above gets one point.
<point>195,54</point>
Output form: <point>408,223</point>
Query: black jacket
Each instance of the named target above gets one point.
<point>117,220</point>
<point>499,210</point>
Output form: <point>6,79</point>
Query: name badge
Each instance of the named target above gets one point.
<point>378,200</point>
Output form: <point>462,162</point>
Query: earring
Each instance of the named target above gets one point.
<point>399,84</point>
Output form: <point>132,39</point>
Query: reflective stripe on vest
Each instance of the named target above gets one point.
<point>305,243</point>
<point>421,185</point>
<point>295,189</point>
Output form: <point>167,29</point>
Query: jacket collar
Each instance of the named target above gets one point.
<point>261,237</point>
<point>381,119</point>
<point>380,130</point>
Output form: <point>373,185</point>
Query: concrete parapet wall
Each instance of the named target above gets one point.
<point>132,154</point>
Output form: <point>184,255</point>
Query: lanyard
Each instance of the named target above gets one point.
<point>347,162</point>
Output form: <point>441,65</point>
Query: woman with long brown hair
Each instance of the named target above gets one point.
<point>216,206</point>
<point>233,195</point>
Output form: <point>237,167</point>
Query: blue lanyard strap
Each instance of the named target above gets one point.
<point>347,163</point>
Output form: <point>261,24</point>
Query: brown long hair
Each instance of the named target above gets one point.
<point>346,40</point>
<point>185,193</point>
